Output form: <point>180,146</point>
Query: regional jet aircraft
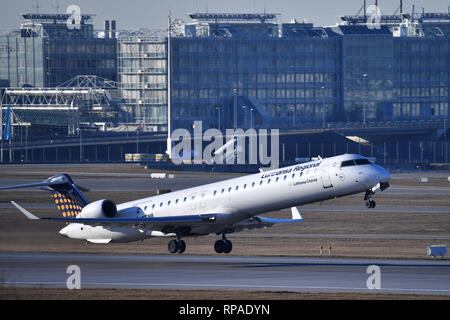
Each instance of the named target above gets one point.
<point>221,208</point>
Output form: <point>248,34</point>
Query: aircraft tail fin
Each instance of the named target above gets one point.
<point>67,196</point>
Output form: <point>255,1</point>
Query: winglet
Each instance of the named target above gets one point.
<point>27,213</point>
<point>296,214</point>
<point>296,217</point>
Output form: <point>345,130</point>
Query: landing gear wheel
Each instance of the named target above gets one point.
<point>223,246</point>
<point>228,246</point>
<point>219,246</point>
<point>173,246</point>
<point>176,246</point>
<point>371,204</point>
<point>181,246</point>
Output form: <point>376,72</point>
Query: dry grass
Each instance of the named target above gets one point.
<point>153,294</point>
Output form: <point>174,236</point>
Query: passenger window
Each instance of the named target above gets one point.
<point>161,204</point>
<point>268,181</point>
<point>185,198</point>
<point>229,189</point>
<point>253,184</point>
<point>176,201</point>
<point>168,203</point>
<point>215,192</point>
<point>237,188</point>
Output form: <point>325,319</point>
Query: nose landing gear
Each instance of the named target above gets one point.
<point>370,203</point>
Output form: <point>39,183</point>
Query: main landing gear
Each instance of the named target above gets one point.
<point>177,246</point>
<point>370,203</point>
<point>220,246</point>
<point>223,245</point>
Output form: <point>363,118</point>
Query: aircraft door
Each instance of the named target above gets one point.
<point>326,180</point>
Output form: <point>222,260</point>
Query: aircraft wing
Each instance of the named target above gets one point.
<point>169,223</point>
<point>143,220</point>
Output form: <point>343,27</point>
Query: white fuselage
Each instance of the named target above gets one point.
<point>237,199</point>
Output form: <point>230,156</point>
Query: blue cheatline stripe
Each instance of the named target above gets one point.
<point>176,219</point>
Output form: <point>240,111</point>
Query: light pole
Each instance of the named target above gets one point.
<point>81,146</point>
<point>251,117</point>
<point>323,108</point>
<point>218,117</point>
<point>137,140</point>
<point>169,87</point>
<point>364,98</point>
<point>235,109</point>
<point>245,114</point>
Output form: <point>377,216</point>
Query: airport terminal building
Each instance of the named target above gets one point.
<point>246,70</point>
<point>356,79</point>
<point>250,69</point>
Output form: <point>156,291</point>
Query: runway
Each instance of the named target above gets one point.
<point>226,273</point>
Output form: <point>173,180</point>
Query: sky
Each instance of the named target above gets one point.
<point>134,14</point>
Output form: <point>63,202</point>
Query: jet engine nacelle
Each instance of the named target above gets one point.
<point>99,209</point>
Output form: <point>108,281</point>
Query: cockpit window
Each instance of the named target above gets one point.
<point>356,162</point>
<point>362,161</point>
<point>348,163</point>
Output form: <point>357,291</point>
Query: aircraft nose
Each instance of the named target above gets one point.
<point>63,232</point>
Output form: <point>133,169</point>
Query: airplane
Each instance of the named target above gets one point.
<point>217,208</point>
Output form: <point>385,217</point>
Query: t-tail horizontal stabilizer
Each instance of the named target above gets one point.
<point>67,196</point>
<point>27,213</point>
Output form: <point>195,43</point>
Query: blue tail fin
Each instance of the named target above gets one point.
<point>68,198</point>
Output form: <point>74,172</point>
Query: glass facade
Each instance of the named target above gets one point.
<point>46,53</point>
<point>143,80</point>
<point>421,78</point>
<point>264,79</point>
<point>367,75</point>
<point>296,75</point>
<point>21,60</point>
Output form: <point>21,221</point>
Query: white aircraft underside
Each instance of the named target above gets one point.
<point>221,208</point>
